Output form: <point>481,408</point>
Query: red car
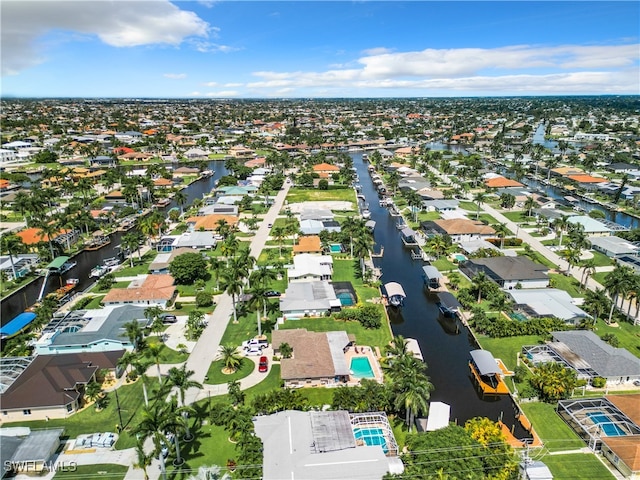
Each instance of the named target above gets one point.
<point>263,364</point>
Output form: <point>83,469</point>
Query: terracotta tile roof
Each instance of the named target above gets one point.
<point>210,222</point>
<point>586,179</point>
<point>628,404</point>
<point>255,162</point>
<point>155,287</point>
<point>311,354</point>
<point>325,167</point>
<point>501,182</point>
<point>162,182</point>
<point>567,170</point>
<point>31,236</point>
<point>114,194</point>
<point>627,448</point>
<point>461,226</point>
<point>307,244</point>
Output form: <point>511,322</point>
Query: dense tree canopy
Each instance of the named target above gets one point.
<point>188,267</point>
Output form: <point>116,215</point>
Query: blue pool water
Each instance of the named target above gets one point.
<point>361,368</point>
<point>371,436</point>
<point>335,248</point>
<point>346,299</point>
<point>609,428</point>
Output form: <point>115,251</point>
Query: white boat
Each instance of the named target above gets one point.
<point>98,271</point>
<point>395,294</point>
<point>366,214</point>
<point>111,262</point>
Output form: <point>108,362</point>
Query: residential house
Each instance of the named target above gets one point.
<point>318,357</point>
<point>48,386</point>
<point>29,452</point>
<point>508,272</point>
<point>20,264</point>
<point>161,263</point>
<point>459,229</point>
<point>325,169</point>
<point>240,151</point>
<point>322,446</point>
<point>309,299</point>
<point>548,302</point>
<point>440,205</point>
<point>100,330</point>
<point>588,182</point>
<point>310,244</point>
<point>591,226</point>
<point>314,227</point>
<point>195,239</point>
<point>612,246</point>
<point>624,451</point>
<point>210,222</point>
<point>153,290</point>
<point>502,182</point>
<point>307,267</point>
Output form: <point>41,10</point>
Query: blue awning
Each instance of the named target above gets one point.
<point>17,324</point>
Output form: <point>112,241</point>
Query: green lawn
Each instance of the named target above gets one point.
<point>379,337</point>
<point>95,303</point>
<point>568,284</point>
<point>469,206</point>
<point>600,277</point>
<point>334,193</point>
<point>246,328</point>
<point>344,271</point>
<point>552,430</point>
<point>317,396</point>
<point>537,257</point>
<point>515,216</point>
<point>444,264</point>
<point>168,355</point>
<point>506,348</point>
<point>139,267</point>
<point>600,259</point>
<point>109,471</point>
<point>576,465</point>
<point>216,376</point>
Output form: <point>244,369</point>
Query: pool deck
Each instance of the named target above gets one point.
<point>369,353</point>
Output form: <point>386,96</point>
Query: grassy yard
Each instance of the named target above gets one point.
<point>216,376</point>
<point>317,396</point>
<point>555,434</point>
<point>468,206</point>
<point>566,467</point>
<point>444,264</point>
<point>344,271</point>
<point>168,355</point>
<point>246,328</point>
<point>139,267</point>
<point>600,259</point>
<point>299,195</point>
<point>95,302</point>
<point>515,216</point>
<point>506,348</point>
<point>627,334</point>
<point>379,337</point>
<point>106,470</point>
<point>537,257</point>
<point>568,284</point>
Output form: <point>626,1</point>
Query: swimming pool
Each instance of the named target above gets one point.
<point>335,248</point>
<point>609,428</point>
<point>346,299</point>
<point>361,368</point>
<point>371,437</point>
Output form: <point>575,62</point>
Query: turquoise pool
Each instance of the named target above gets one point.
<point>361,368</point>
<point>371,437</point>
<point>609,428</point>
<point>335,248</point>
<point>346,299</point>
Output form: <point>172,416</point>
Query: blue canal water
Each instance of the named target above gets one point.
<point>445,346</point>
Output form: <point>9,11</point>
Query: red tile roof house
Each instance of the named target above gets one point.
<point>587,181</point>
<point>325,169</point>
<point>154,290</point>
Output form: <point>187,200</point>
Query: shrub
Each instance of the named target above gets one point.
<point>598,382</point>
<point>204,299</point>
<point>369,316</point>
<point>178,306</point>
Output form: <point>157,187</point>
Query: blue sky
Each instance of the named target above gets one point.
<point>242,49</point>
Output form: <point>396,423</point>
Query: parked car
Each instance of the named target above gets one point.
<point>269,225</point>
<point>272,293</point>
<point>167,318</point>
<point>263,364</point>
<point>253,352</point>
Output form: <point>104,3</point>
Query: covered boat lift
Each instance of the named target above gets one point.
<point>395,293</point>
<point>431,277</point>
<point>487,372</point>
<point>448,304</point>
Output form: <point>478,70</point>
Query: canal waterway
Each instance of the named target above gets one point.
<point>445,343</point>
<point>86,260</point>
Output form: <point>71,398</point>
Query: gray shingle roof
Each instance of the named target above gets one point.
<point>605,360</point>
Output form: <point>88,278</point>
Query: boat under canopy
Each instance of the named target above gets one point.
<point>395,293</point>
<point>16,325</point>
<point>485,363</point>
<point>448,303</point>
<point>57,263</point>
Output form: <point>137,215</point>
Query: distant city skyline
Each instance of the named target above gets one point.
<point>299,49</point>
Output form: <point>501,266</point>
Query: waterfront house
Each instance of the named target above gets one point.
<point>198,240</point>
<point>308,267</point>
<point>210,222</point>
<point>508,272</point>
<point>623,451</point>
<point>591,226</point>
<point>588,182</point>
<point>548,302</point>
<point>96,330</point>
<point>309,299</point>
<point>161,263</point>
<point>440,205</point>
<point>20,264</point>
<point>314,227</point>
<point>459,229</point>
<point>49,386</point>
<point>612,246</point>
<point>318,357</point>
<point>154,290</point>
<point>327,445</point>
<point>502,182</point>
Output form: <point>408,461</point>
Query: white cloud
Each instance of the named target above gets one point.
<point>209,47</point>
<point>210,84</point>
<point>233,85</point>
<point>519,68</point>
<point>223,93</point>
<point>377,51</point>
<point>175,76</point>
<point>116,23</point>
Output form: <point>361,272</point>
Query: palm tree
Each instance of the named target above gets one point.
<point>143,459</point>
<point>230,357</point>
<point>415,202</point>
<point>479,198</point>
<point>12,244</point>
<point>154,351</point>
<point>47,229</point>
<point>279,233</point>
<point>232,284</point>
<point>134,333</point>
<point>588,269</point>
<point>571,255</point>
<point>529,204</point>
<point>154,421</point>
<point>561,224</point>
<point>230,245</point>
<point>130,242</point>
<point>180,378</point>
<point>616,284</point>
<point>501,230</point>
<point>259,299</point>
<point>595,303</point>
<point>398,346</point>
<point>481,282</point>
<point>181,198</point>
